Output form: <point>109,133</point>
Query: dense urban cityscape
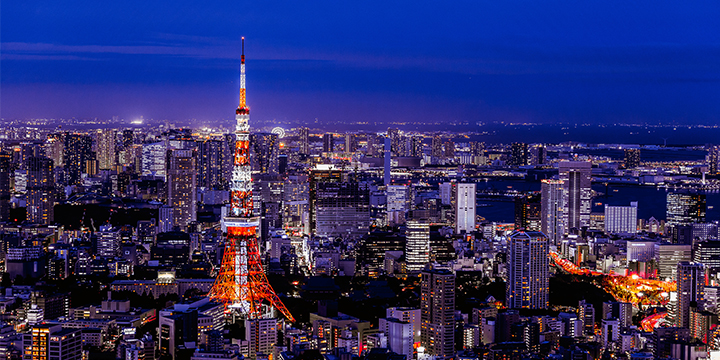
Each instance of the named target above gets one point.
<point>416,181</point>
<point>149,241</point>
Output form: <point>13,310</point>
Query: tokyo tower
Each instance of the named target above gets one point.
<point>241,284</point>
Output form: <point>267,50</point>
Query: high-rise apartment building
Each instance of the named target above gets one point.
<point>77,151</point>
<point>621,219</point>
<point>577,193</point>
<point>350,143</point>
<point>465,203</point>
<point>304,141</point>
<point>528,272</point>
<point>551,207</point>
<point>436,149</point>
<point>690,290</point>
<point>261,335</point>
<point>621,311</point>
<point>437,306</point>
<point>685,208</point>
<point>211,164</point>
<point>106,154</point>
<point>417,245</point>
<point>40,191</point>
<point>181,186</point>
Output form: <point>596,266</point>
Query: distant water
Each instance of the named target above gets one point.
<point>651,201</point>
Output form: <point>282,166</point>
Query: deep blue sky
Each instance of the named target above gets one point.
<point>543,61</point>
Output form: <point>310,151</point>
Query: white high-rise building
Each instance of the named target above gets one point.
<point>577,193</point>
<point>465,207</point>
<point>621,219</point>
<point>551,210</point>
<point>417,245</point>
<point>400,337</point>
<point>528,272</point>
<point>411,315</point>
<point>261,335</point>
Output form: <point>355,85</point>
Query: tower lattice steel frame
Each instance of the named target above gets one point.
<point>241,284</point>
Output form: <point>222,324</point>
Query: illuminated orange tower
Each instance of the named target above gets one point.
<point>241,284</point>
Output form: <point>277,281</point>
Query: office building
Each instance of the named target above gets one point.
<point>40,191</point>
<point>707,253</point>
<point>620,311</point>
<point>685,208</point>
<point>399,334</point>
<point>342,210</point>
<point>106,154</point>
<point>621,219</point>
<point>465,202</point>
<point>181,186</point>
<point>398,198</point>
<point>154,157</point>
<point>417,245</point>
<point>690,290</point>
<point>669,255</point>
<point>108,242</point>
<point>261,335</point>
<point>632,158</point>
<point>437,305</point>
<point>551,207</point>
<point>577,193</point>
<point>264,153</point>
<point>52,342</point>
<point>528,272</point>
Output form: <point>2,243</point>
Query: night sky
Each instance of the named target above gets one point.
<point>539,61</point>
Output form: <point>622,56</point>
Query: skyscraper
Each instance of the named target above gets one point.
<point>181,185</point>
<point>712,159</point>
<point>436,149</point>
<point>465,199</point>
<point>40,191</point>
<point>685,208</point>
<point>264,153</point>
<point>350,142</point>
<point>632,158</point>
<point>518,154</point>
<point>537,154</point>
<point>106,154</point>
<point>304,140</point>
<point>211,164</point>
<point>690,290</point>
<point>417,245</point>
<point>437,306</point>
<point>449,149</point>
<point>528,273</point>
<point>5,162</point>
<point>328,142</point>
<point>551,208</point>
<point>76,152</point>
<point>528,213</point>
<point>577,193</point>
